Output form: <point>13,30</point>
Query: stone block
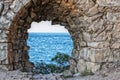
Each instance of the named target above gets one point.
<point>113,17</point>
<point>16,5</point>
<point>103,36</point>
<point>4,22</point>
<point>10,15</point>
<point>93,18</point>
<point>1,7</point>
<point>114,55</point>
<point>3,56</point>
<point>33,15</point>
<point>87,36</point>
<point>96,27</point>
<point>86,4</point>
<point>87,66</point>
<point>23,13</point>
<point>29,20</point>
<point>24,2</point>
<point>3,37</point>
<point>4,67</point>
<point>116,35</point>
<point>110,3</point>
<point>116,27</point>
<point>35,2</point>
<point>116,45</point>
<point>21,22</point>
<point>75,54</point>
<point>95,55</point>
<point>83,44</point>
<point>3,46</point>
<point>81,66</point>
<point>93,66</point>
<point>98,44</point>
<point>5,8</point>
<point>92,11</point>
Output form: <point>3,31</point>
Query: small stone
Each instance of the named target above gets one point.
<point>67,73</point>
<point>92,11</point>
<point>77,74</point>
<point>83,44</point>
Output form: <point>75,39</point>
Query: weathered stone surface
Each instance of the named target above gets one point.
<point>90,66</point>
<point>93,66</point>
<point>92,11</point>
<point>10,15</point>
<point>95,55</point>
<point>5,8</point>
<point>98,44</point>
<point>86,4</point>
<point>110,3</point>
<point>114,17</point>
<point>3,57</point>
<point>81,66</point>
<point>87,36</point>
<point>3,46</point>
<point>25,2</point>
<point>4,22</point>
<point>103,36</point>
<point>116,45</point>
<point>3,36</point>
<point>16,5</point>
<point>94,26</point>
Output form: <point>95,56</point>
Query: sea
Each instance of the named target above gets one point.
<point>44,46</point>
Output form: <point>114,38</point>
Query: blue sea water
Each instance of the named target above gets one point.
<point>44,46</point>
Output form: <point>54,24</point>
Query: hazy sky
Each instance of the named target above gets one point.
<point>45,26</point>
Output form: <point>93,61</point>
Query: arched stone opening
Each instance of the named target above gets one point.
<point>57,12</point>
<point>93,25</point>
<point>46,40</point>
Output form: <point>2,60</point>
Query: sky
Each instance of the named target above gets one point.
<point>46,27</point>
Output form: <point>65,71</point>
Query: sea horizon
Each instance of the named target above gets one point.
<point>51,32</point>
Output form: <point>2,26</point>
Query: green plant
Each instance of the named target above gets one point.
<point>53,68</point>
<point>61,59</point>
<point>40,68</point>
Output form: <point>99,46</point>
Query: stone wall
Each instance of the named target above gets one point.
<point>94,26</point>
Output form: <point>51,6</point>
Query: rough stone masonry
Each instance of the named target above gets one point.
<point>94,26</point>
